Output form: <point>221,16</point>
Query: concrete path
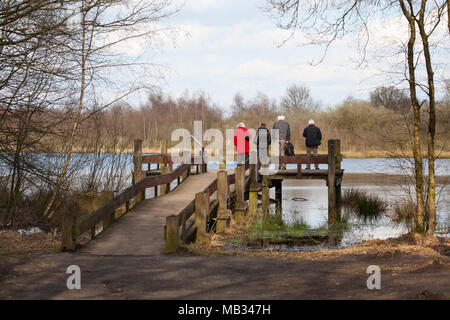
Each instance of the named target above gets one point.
<point>140,232</point>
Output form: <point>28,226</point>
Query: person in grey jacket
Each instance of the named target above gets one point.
<point>284,135</point>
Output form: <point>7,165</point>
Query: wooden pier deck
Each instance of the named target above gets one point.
<point>141,231</point>
<point>202,202</point>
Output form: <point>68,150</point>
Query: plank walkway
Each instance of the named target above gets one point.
<point>140,232</point>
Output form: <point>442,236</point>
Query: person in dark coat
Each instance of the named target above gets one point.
<point>284,131</point>
<point>313,137</point>
<point>263,141</point>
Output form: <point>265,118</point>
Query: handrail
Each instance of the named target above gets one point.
<point>88,222</point>
<point>180,220</point>
<point>304,159</point>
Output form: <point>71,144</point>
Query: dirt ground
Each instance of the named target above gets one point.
<point>411,268</point>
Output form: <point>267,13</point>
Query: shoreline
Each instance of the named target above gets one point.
<point>375,154</point>
<point>385,178</point>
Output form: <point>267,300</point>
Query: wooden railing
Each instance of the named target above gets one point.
<point>181,228</point>
<point>164,161</point>
<point>72,228</point>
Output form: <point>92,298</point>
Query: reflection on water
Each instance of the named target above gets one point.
<point>314,210</point>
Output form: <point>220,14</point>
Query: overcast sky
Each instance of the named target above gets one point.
<point>232,46</point>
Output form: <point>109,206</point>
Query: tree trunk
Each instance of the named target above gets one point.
<point>431,129</point>
<point>417,150</point>
<point>48,210</point>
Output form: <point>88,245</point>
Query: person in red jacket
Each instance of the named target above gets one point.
<point>242,143</point>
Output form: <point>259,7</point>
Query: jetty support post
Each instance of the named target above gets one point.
<point>278,197</point>
<point>165,169</point>
<point>223,213</point>
<point>333,191</point>
<point>223,164</point>
<point>204,165</point>
<point>172,233</point>
<point>241,205</point>
<point>138,173</point>
<point>200,215</point>
<point>254,189</point>
<point>265,185</point>
<point>165,188</point>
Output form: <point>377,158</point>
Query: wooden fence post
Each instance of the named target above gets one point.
<point>137,160</point>
<point>172,234</point>
<point>164,147</point>
<point>332,212</point>
<point>68,232</point>
<point>222,164</point>
<point>265,196</point>
<point>204,166</point>
<point>223,214</point>
<point>110,217</point>
<point>254,188</point>
<point>138,173</point>
<point>165,188</point>
<point>278,198</point>
<point>200,215</point>
<point>241,205</point>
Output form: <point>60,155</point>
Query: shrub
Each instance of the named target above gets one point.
<point>364,206</point>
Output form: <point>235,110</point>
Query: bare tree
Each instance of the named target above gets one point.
<point>102,26</point>
<point>327,21</point>
<point>391,98</point>
<point>298,98</point>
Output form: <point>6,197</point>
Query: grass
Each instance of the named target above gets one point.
<point>363,206</point>
<point>272,227</point>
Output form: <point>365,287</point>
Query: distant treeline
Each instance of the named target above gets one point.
<point>366,128</point>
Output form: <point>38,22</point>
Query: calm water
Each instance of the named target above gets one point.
<point>307,200</point>
<point>370,165</point>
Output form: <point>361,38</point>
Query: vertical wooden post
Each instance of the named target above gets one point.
<point>204,165</point>
<point>223,214</point>
<point>165,188</point>
<point>279,198</point>
<point>200,215</point>
<point>172,234</point>
<point>110,217</point>
<point>164,147</point>
<point>265,196</point>
<point>92,232</point>
<point>186,173</point>
<point>68,232</point>
<point>254,188</point>
<point>137,160</point>
<point>241,205</point>
<point>138,173</point>
<point>108,220</point>
<point>223,164</point>
<point>332,210</point>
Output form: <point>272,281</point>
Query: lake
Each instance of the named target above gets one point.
<point>307,200</point>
